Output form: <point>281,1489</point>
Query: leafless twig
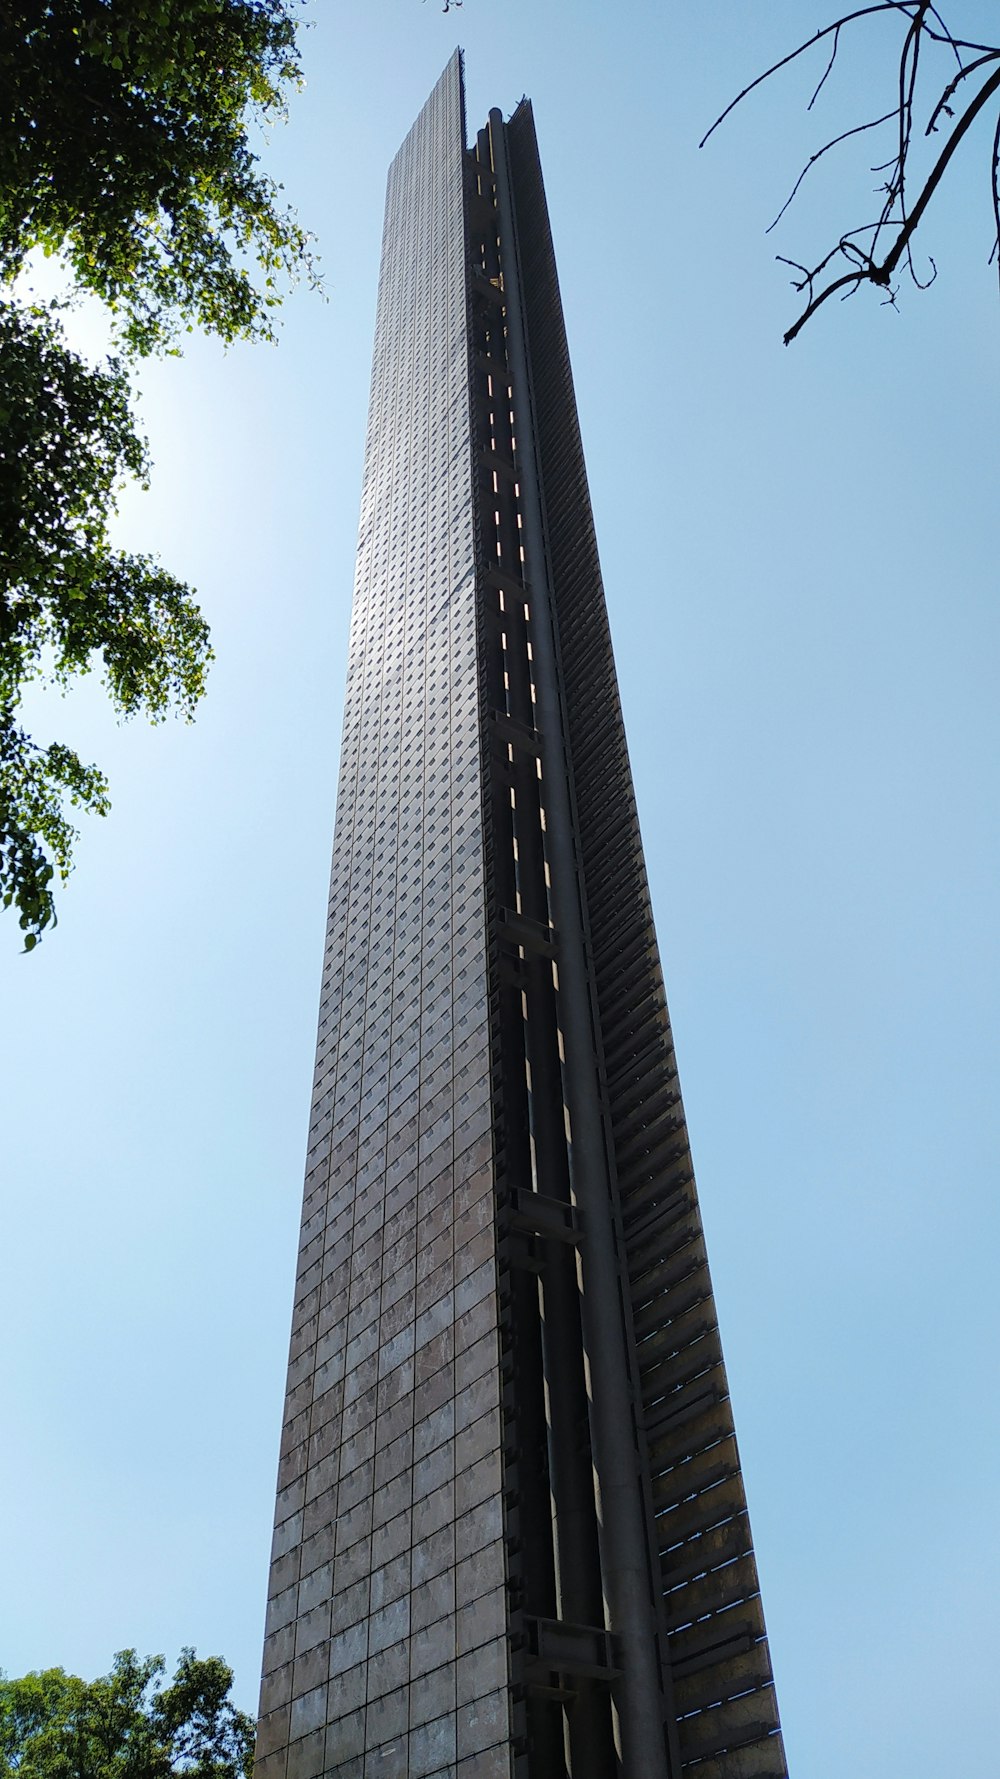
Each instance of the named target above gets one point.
<point>961,100</point>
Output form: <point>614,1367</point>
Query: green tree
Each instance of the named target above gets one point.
<point>126,1725</point>
<point>125,147</point>
<point>126,150</point>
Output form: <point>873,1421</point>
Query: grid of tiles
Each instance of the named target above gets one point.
<point>385,1651</point>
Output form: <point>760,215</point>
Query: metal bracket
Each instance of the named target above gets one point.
<point>573,1653</point>
<point>532,935</point>
<point>553,1218</point>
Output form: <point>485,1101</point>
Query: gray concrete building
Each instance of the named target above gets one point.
<point>511,1538</point>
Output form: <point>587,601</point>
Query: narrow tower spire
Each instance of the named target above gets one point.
<point>511,1539</point>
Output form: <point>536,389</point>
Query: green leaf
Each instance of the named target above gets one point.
<point>125,148</point>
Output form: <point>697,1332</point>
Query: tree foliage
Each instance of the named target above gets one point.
<point>126,1724</point>
<point>67,597</point>
<point>125,150</point>
<point>938,85</point>
<point>126,147</point>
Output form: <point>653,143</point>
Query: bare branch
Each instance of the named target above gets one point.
<point>828,30</point>
<point>828,70</point>
<point>944,103</point>
<point>946,36</point>
<point>923,30</point>
<point>847,18</point>
<point>853,278</point>
<point>921,283</point>
<point>995,192</point>
<point>962,127</point>
<point>834,142</point>
<point>882,273</point>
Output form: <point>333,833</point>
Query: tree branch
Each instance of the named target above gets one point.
<point>898,219</point>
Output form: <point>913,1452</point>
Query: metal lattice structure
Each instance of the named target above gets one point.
<point>511,1539</point>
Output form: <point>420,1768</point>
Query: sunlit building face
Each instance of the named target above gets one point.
<point>511,1538</point>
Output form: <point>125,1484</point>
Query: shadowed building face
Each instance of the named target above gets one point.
<point>511,1539</point>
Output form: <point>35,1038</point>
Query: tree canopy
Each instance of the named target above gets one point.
<point>126,150</point>
<point>126,1724</point>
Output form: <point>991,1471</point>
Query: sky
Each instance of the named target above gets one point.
<point>798,547</point>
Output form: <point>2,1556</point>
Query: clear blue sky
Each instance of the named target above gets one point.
<point>799,549</point>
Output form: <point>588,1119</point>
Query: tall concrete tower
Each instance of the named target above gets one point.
<point>511,1538</point>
